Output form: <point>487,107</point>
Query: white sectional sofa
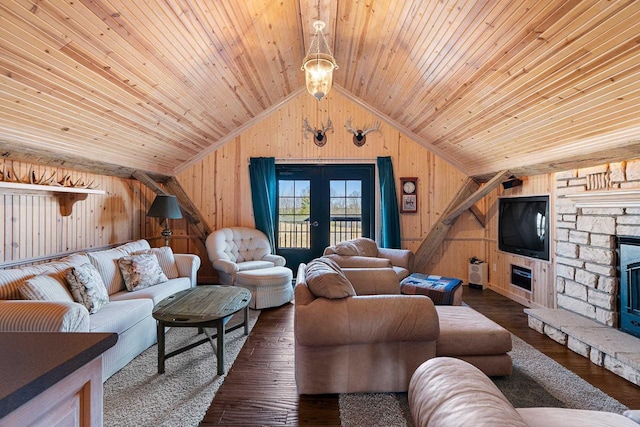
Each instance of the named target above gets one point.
<point>127,313</point>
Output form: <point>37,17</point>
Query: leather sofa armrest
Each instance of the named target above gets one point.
<point>43,316</point>
<point>398,257</point>
<point>188,265</point>
<point>277,260</point>
<point>448,392</point>
<point>373,281</point>
<point>366,319</point>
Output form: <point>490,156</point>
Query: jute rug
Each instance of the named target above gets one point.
<point>537,380</point>
<point>138,396</point>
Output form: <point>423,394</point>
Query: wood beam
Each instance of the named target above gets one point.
<point>466,198</point>
<point>451,216</point>
<point>190,210</point>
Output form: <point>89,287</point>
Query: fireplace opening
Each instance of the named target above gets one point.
<point>629,265</point>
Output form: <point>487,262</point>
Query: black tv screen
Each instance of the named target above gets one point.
<point>523,226</point>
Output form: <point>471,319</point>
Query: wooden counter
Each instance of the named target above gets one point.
<point>52,374</point>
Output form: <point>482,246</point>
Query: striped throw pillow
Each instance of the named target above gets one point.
<point>44,288</point>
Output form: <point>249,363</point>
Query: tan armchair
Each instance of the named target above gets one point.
<point>365,253</point>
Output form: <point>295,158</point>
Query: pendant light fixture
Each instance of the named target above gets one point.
<point>319,63</point>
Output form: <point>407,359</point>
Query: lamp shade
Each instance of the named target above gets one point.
<point>165,207</point>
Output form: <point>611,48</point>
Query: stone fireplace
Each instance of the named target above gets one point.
<point>595,208</point>
<point>629,261</point>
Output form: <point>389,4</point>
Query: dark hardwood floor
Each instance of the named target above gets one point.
<point>260,389</point>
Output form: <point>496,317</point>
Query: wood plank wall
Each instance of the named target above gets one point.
<point>219,185</point>
<point>32,226</point>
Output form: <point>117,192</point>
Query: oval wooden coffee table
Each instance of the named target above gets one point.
<point>202,307</point>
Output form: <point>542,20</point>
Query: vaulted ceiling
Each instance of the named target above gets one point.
<point>117,85</point>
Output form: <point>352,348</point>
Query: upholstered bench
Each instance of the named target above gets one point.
<point>269,287</point>
<point>441,290</point>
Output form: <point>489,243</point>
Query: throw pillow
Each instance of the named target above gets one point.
<point>141,271</point>
<point>165,258</point>
<point>325,279</point>
<point>44,288</point>
<point>87,287</point>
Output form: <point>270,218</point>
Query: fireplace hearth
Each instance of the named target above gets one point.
<point>629,267</point>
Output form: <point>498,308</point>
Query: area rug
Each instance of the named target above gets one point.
<point>537,380</point>
<point>138,396</point>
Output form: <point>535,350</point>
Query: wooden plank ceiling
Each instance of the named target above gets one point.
<point>119,85</point>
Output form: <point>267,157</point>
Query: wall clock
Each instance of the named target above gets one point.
<point>409,195</point>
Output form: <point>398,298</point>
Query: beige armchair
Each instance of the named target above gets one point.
<point>242,257</point>
<point>365,253</point>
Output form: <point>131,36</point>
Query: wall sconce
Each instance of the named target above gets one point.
<point>165,206</point>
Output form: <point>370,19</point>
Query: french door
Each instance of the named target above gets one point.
<point>321,205</point>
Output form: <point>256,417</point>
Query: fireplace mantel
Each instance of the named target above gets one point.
<point>607,199</point>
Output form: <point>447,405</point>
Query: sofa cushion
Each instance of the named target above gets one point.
<point>325,279</point>
<point>87,287</point>
<point>11,278</point>
<point>106,262</point>
<point>358,261</point>
<point>44,287</point>
<point>141,271</point>
<point>361,246</point>
<point>119,316</point>
<point>165,258</point>
<point>155,293</point>
<point>135,246</point>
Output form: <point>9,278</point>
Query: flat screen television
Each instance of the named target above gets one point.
<point>523,226</point>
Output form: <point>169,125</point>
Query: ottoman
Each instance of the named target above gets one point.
<point>471,336</point>
<point>269,287</point>
<point>441,290</point>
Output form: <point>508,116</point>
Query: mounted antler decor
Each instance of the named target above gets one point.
<point>360,136</point>
<point>319,137</point>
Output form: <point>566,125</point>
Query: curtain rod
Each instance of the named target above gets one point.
<point>321,160</point>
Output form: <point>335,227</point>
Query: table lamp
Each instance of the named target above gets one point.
<point>165,206</point>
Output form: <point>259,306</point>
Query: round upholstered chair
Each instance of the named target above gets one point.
<point>242,257</point>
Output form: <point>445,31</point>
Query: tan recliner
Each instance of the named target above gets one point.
<point>365,253</point>
<point>370,343</point>
<point>349,338</point>
<point>242,257</point>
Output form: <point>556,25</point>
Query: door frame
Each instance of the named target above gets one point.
<point>369,167</point>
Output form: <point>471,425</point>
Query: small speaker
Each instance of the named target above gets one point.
<point>511,183</point>
<point>478,274</point>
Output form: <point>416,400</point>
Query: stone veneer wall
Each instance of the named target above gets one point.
<point>586,261</point>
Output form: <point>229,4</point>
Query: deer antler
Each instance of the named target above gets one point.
<point>375,127</point>
<point>329,126</point>
<point>349,128</point>
<point>309,129</point>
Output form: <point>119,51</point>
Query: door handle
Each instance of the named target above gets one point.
<point>314,224</point>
